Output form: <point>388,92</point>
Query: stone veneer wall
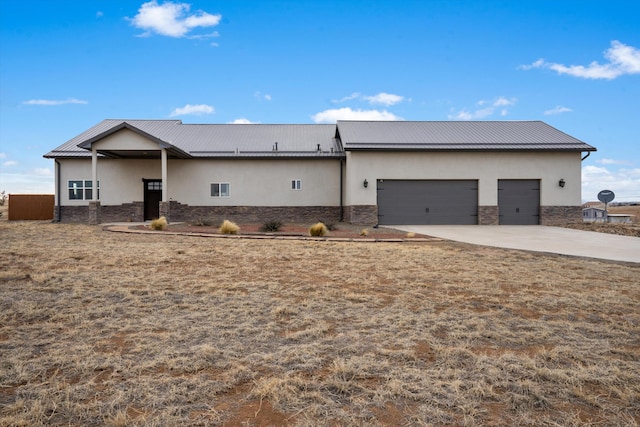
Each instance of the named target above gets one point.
<point>71,214</point>
<point>560,215</point>
<point>126,212</point>
<point>361,214</point>
<point>179,212</point>
<point>488,215</point>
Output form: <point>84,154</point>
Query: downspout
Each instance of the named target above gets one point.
<point>341,190</point>
<point>588,154</point>
<point>58,190</point>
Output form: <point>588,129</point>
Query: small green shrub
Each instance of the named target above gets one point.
<point>318,229</point>
<point>159,224</point>
<point>271,226</point>
<point>229,227</point>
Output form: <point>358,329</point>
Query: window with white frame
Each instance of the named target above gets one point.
<point>81,189</point>
<point>296,184</point>
<point>220,189</point>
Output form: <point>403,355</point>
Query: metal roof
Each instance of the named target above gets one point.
<point>453,136</point>
<point>216,140</point>
<point>325,141</point>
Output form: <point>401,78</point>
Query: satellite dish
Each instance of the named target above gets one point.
<point>606,196</point>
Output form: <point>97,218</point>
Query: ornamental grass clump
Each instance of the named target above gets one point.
<point>159,224</point>
<point>318,230</point>
<point>229,227</point>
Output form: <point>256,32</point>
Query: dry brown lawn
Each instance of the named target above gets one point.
<point>101,328</point>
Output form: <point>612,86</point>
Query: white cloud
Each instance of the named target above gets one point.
<point>558,109</point>
<point>354,95</point>
<point>50,102</point>
<point>172,19</point>
<point>472,115</point>
<point>332,115</point>
<point>482,113</point>
<point>242,121</point>
<point>43,172</point>
<point>27,183</point>
<point>195,110</point>
<point>3,155</point>
<point>10,163</point>
<point>622,59</point>
<point>386,99</point>
<point>624,182</point>
<point>383,98</point>
<point>614,162</point>
<point>504,102</point>
<point>260,95</point>
<point>99,14</point>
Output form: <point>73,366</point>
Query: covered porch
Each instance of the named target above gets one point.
<point>126,142</point>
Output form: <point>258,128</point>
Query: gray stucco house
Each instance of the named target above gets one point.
<point>366,172</point>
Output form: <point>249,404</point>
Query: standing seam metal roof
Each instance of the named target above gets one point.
<point>300,140</point>
<point>220,140</point>
<point>448,135</point>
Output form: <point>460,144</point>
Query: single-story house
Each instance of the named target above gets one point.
<point>366,172</point>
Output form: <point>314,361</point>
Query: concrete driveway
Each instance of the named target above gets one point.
<point>538,238</point>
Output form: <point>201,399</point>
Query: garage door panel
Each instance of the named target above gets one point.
<point>427,202</point>
<point>519,201</point>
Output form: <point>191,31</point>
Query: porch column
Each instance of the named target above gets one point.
<point>165,206</point>
<point>94,204</point>
<point>94,174</point>
<point>165,193</point>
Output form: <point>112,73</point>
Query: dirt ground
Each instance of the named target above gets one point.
<point>632,229</point>
<point>102,328</point>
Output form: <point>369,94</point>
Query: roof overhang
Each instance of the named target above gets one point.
<point>172,150</point>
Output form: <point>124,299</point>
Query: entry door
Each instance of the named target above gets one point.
<point>519,201</point>
<point>152,198</point>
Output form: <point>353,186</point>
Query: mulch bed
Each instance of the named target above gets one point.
<point>342,230</point>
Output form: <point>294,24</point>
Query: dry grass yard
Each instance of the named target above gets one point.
<point>101,328</point>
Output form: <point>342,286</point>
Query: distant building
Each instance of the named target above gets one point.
<point>619,218</point>
<point>592,214</point>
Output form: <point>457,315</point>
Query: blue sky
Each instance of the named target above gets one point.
<point>66,65</point>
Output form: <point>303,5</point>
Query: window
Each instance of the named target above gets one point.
<point>220,189</point>
<point>296,184</point>
<point>154,185</point>
<point>81,189</point>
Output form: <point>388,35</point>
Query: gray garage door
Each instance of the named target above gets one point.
<point>404,202</point>
<point>519,201</point>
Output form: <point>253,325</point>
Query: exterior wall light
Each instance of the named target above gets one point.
<point>365,183</point>
<point>561,182</point>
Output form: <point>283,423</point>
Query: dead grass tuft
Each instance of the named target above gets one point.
<point>318,229</point>
<point>229,227</point>
<point>159,224</point>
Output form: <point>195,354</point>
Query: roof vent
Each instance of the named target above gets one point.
<point>318,147</point>
<point>275,146</point>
